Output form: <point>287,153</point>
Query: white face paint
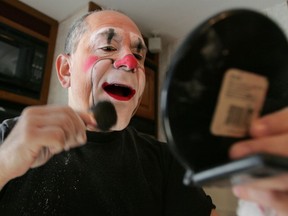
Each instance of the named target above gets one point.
<point>108,42</point>
<point>113,66</point>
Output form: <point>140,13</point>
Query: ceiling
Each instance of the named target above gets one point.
<point>171,19</point>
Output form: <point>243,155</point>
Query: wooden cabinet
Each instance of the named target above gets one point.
<point>25,19</point>
<point>148,105</point>
<point>145,119</point>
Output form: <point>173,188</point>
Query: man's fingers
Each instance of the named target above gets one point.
<point>272,145</point>
<point>271,124</point>
<point>64,117</point>
<point>88,119</point>
<point>40,133</point>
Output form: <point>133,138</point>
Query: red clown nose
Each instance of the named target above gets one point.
<point>129,62</point>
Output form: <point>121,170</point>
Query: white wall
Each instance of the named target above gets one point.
<point>57,94</point>
<point>279,13</point>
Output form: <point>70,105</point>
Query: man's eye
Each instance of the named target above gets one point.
<point>108,48</point>
<point>137,56</point>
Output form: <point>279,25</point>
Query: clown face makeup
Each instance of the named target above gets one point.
<point>106,44</point>
<point>108,64</point>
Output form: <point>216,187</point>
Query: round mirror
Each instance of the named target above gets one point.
<point>238,39</point>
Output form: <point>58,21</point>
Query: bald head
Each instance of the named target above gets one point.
<point>93,21</point>
<point>108,17</point>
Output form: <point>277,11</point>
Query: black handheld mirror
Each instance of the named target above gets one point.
<point>239,56</point>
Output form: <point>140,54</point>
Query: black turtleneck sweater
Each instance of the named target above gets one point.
<point>121,173</point>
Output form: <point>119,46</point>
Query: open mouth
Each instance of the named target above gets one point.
<point>119,91</point>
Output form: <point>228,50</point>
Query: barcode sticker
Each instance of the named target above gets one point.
<point>240,100</point>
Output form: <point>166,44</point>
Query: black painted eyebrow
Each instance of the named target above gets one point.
<point>140,46</point>
<point>110,35</point>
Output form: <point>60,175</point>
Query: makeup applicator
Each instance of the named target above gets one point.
<point>105,114</point>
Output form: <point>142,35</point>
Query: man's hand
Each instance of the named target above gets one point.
<point>270,135</point>
<point>40,133</point>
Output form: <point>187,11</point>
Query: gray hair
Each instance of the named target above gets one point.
<point>76,31</point>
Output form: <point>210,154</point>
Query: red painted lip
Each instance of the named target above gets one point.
<point>118,91</point>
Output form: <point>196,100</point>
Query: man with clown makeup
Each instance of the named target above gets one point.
<point>54,160</point>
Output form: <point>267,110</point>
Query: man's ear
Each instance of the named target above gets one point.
<point>63,70</point>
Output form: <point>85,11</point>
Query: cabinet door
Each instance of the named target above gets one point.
<point>147,105</point>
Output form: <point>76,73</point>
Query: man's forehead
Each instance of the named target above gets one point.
<point>115,33</point>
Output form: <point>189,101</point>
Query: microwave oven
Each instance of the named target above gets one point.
<point>22,62</point>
